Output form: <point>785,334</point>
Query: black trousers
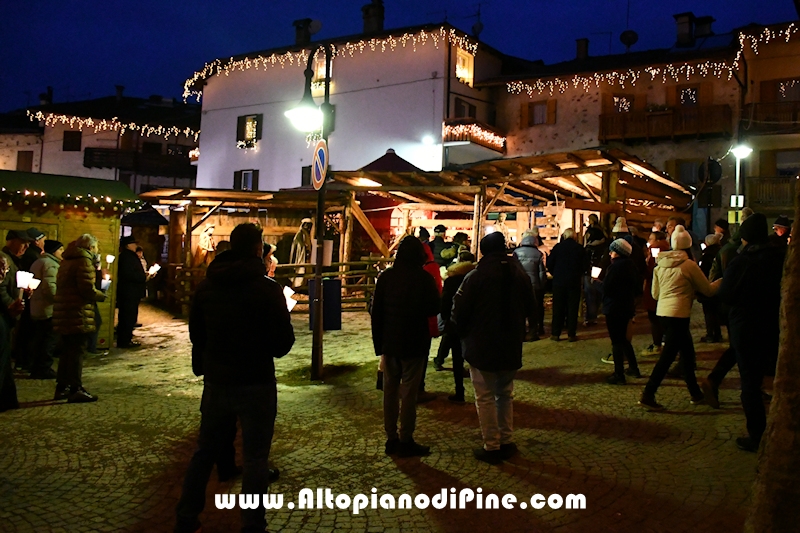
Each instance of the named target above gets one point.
<point>128,315</point>
<point>539,309</point>
<point>750,359</point>
<point>678,339</point>
<point>617,324</point>
<point>566,304</point>
<point>656,329</point>
<point>44,346</point>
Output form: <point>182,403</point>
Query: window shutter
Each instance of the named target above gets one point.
<point>551,111</point>
<point>672,95</point>
<point>705,95</point>
<point>305,176</point>
<point>259,120</point>
<point>607,104</point>
<point>240,124</point>
<point>237,180</point>
<point>768,163</point>
<point>639,102</point>
<point>769,92</point>
<point>255,180</point>
<point>523,115</point>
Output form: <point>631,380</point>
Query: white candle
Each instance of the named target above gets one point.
<point>154,269</point>
<point>23,279</point>
<point>34,284</point>
<point>654,252</point>
<point>110,259</point>
<point>596,272</point>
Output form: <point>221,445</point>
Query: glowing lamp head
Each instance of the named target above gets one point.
<point>741,151</point>
<point>305,117</point>
<point>428,140</point>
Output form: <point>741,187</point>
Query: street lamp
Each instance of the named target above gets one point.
<point>740,152</point>
<point>307,117</point>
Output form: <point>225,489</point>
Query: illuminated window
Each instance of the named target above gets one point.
<point>688,96</point>
<point>245,180</point>
<point>623,104</point>
<point>319,72</point>
<point>464,67</point>
<point>538,113</point>
<point>248,130</point>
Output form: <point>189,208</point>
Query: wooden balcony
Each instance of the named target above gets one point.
<point>171,166</point>
<point>470,130</point>
<point>776,117</point>
<point>771,194</point>
<point>702,121</point>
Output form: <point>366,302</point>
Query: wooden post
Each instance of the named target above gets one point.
<point>477,220</point>
<point>347,240</point>
<point>187,236</point>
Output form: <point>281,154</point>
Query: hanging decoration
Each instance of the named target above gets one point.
<point>25,200</point>
<point>98,125</point>
<point>227,66</point>
<point>475,133</point>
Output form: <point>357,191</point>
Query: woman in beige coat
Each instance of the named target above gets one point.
<point>676,279</point>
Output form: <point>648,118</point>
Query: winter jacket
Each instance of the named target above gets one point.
<point>432,268</point>
<point>73,310</point>
<point>131,277</point>
<point>406,298</point>
<point>437,245</point>
<point>751,289</point>
<point>532,261</point>
<point>45,269</point>
<point>489,312</point>
<point>29,257</point>
<point>706,262</point>
<point>676,278</point>
<point>567,263</point>
<point>726,254</point>
<point>619,287</point>
<point>238,322</point>
<point>455,275</point>
<point>8,287</point>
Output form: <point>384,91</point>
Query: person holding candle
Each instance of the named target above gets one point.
<point>42,299</point>
<point>74,316</point>
<point>656,243</point>
<point>11,303</point>
<point>131,287</point>
<point>8,389</point>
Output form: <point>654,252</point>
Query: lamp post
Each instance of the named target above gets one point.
<point>308,117</point>
<point>740,152</point>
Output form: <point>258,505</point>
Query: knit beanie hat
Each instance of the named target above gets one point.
<point>493,243</point>
<point>681,240</point>
<point>722,223</point>
<point>712,239</point>
<point>622,247</point>
<point>51,246</point>
<point>620,226</point>
<point>754,230</point>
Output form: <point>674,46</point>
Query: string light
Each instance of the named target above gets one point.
<point>51,119</point>
<point>391,43</point>
<point>36,200</point>
<point>194,154</point>
<point>473,132</point>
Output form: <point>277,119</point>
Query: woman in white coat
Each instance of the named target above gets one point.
<point>676,279</point>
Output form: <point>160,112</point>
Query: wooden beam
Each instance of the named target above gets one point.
<point>587,188</point>
<point>551,174</point>
<point>464,208</point>
<point>187,238</point>
<point>208,214</point>
<point>586,205</point>
<point>425,189</point>
<point>347,216</point>
<point>477,221</point>
<point>370,229</point>
<point>494,200</point>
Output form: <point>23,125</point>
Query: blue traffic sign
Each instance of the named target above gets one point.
<point>319,167</point>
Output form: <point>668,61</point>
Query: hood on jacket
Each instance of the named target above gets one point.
<point>232,268</point>
<point>74,252</point>
<point>529,240</point>
<point>461,268</point>
<point>672,258</point>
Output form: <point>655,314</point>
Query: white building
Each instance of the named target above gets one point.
<point>400,89</point>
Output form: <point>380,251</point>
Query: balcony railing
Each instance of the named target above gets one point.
<point>771,193</point>
<point>171,166</point>
<point>470,130</point>
<point>777,117</point>
<point>701,121</point>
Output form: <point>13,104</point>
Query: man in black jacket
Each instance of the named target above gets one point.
<point>566,263</point>
<point>489,311</point>
<point>238,323</point>
<point>405,297</point>
<point>131,283</point>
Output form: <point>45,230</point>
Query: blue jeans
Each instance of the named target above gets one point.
<point>256,407</point>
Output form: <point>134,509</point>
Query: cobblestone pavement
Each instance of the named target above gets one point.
<point>117,465</point>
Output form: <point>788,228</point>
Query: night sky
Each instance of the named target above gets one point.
<point>82,48</point>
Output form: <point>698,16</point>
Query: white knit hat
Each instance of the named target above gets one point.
<point>620,226</point>
<point>681,240</point>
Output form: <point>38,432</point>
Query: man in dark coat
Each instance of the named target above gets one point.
<point>566,263</point>
<point>751,288</point>
<point>782,230</point>
<point>23,349</point>
<point>238,324</point>
<point>8,389</point>
<point>131,287</point>
<point>438,245</point>
<point>406,296</point>
<point>489,311</point>
<point>619,292</point>
<point>17,242</point>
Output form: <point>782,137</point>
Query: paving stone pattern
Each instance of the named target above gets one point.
<point>117,465</point>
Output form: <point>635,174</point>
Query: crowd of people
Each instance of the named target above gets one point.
<point>59,316</point>
<point>487,310</point>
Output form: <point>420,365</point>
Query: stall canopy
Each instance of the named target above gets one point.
<point>66,188</point>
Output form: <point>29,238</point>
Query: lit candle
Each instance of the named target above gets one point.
<point>596,272</point>
<point>34,284</point>
<point>154,269</point>
<point>654,252</point>
<point>110,259</point>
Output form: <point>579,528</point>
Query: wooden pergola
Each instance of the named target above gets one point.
<point>611,182</point>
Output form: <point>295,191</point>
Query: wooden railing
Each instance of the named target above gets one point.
<point>146,164</point>
<point>776,117</point>
<point>774,193</point>
<point>701,121</point>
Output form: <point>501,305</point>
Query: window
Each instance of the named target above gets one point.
<point>245,180</point>
<point>151,148</point>
<point>787,163</point>
<point>464,109</point>
<point>248,130</point>
<point>72,141</point>
<point>25,160</point>
<point>789,90</point>
<point>538,113</point>
<point>305,176</point>
<point>623,103</point>
<point>688,96</point>
<point>178,150</point>
<point>464,66</point>
<point>688,171</point>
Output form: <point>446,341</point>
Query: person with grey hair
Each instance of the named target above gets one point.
<point>566,263</point>
<point>74,316</point>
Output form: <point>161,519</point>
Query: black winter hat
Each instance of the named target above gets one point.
<point>783,221</point>
<point>51,246</point>
<point>722,223</point>
<point>754,229</point>
<point>493,243</point>
<point>125,241</point>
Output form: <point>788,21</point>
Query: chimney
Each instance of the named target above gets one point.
<point>47,97</point>
<point>120,89</point>
<point>702,26</point>
<point>373,16</point>
<point>583,48</point>
<point>685,26</point>
<point>302,31</point>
